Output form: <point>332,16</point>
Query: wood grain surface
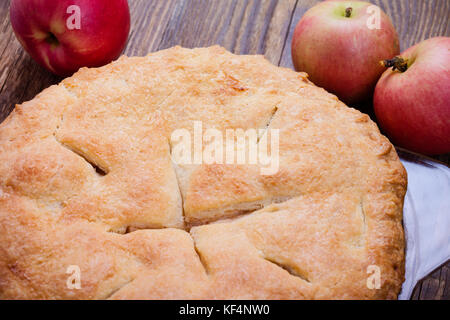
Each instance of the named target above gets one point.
<point>243,27</point>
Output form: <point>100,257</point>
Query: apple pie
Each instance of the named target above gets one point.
<point>93,205</point>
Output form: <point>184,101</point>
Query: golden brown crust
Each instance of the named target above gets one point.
<point>87,163</point>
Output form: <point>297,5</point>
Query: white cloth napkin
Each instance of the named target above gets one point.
<point>426,219</point>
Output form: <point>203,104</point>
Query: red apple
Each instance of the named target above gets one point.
<point>413,106</point>
<point>340,43</point>
<point>65,35</point>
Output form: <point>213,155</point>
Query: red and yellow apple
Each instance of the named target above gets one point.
<point>340,43</point>
<point>412,103</point>
<point>65,35</point>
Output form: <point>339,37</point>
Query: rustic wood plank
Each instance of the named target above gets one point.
<point>300,9</point>
<point>241,26</point>
<point>436,286</point>
<point>149,20</point>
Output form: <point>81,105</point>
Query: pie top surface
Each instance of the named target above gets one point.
<point>87,179</point>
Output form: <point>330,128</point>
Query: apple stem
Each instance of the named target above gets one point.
<point>348,12</point>
<point>397,63</point>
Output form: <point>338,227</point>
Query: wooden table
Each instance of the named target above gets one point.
<point>241,26</point>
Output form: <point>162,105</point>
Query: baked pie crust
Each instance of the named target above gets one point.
<point>87,180</point>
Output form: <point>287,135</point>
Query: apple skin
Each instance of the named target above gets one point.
<point>342,54</point>
<point>413,108</point>
<point>105,25</point>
